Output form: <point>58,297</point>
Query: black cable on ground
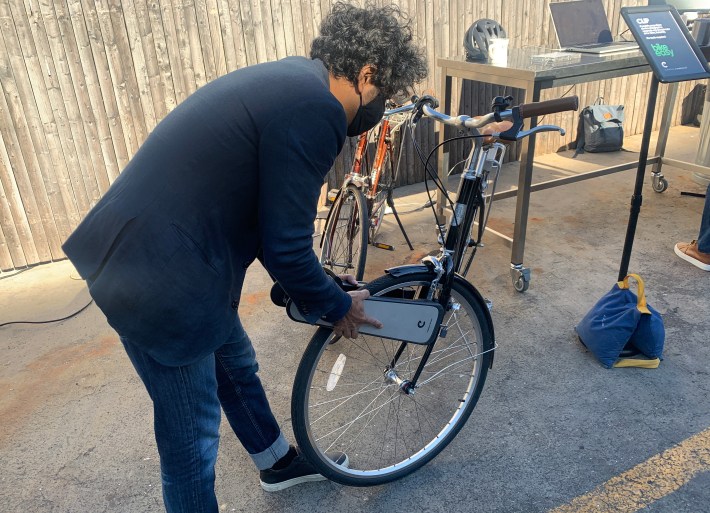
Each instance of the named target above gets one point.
<point>52,320</point>
<point>15,273</point>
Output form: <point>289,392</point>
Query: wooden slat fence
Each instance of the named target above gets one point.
<point>83,82</point>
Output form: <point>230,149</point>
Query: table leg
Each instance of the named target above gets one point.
<point>658,182</point>
<point>520,275</point>
<point>443,162</point>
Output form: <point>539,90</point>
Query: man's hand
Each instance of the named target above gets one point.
<point>348,278</point>
<point>494,128</point>
<point>348,326</point>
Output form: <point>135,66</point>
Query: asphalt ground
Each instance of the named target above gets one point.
<point>553,430</point>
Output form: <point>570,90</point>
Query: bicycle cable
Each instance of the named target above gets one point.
<point>431,173</point>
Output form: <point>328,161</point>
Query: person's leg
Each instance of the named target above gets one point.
<point>697,252</point>
<point>247,409</point>
<point>704,235</point>
<point>186,422</point>
<point>244,401</point>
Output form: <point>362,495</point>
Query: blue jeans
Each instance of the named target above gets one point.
<point>186,410</point>
<point>704,235</point>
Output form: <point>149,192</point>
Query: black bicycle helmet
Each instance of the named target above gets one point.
<point>478,38</point>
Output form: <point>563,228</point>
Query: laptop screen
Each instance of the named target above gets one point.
<point>580,22</point>
<point>684,5</point>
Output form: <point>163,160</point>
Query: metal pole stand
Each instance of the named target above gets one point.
<point>637,197</point>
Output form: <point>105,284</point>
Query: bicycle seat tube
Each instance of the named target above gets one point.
<point>359,156</point>
<point>383,147</point>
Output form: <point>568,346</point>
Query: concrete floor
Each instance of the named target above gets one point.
<point>552,425</point>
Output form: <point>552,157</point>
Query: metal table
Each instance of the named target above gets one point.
<point>700,173</point>
<point>521,73</point>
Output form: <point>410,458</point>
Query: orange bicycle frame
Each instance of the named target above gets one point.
<point>383,146</point>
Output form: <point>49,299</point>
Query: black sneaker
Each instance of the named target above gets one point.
<point>297,472</point>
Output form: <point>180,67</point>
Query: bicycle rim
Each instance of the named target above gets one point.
<point>344,401</point>
<point>345,243</point>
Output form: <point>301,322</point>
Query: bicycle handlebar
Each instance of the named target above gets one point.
<point>527,110</point>
<point>531,110</point>
<point>399,110</point>
<point>426,106</point>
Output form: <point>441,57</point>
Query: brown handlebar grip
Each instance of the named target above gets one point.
<point>530,110</point>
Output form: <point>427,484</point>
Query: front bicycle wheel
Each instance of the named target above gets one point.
<point>348,395</point>
<point>345,238</point>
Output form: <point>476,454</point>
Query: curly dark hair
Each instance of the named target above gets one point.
<point>352,37</point>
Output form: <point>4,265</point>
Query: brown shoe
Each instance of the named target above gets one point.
<point>689,252</point>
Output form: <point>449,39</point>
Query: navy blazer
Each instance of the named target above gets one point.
<point>234,169</point>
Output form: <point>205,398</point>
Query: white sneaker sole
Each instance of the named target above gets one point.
<point>277,487</point>
<point>688,258</point>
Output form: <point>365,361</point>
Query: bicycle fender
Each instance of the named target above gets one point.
<point>404,270</point>
<point>482,303</point>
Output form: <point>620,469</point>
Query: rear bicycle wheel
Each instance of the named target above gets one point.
<point>347,395</point>
<point>345,240</point>
<point>378,205</point>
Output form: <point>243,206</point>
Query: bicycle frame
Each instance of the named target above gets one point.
<point>360,154</point>
<point>470,198</point>
<point>384,146</point>
<point>470,201</point>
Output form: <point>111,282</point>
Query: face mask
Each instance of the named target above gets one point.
<point>367,116</point>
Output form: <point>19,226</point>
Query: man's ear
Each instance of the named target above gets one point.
<point>367,72</point>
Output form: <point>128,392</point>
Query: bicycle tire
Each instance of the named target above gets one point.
<point>344,248</point>
<point>325,418</point>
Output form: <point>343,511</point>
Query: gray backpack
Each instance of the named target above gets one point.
<point>600,128</point>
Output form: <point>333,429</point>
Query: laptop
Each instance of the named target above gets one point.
<point>581,26</point>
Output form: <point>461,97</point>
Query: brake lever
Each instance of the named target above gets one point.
<point>540,128</point>
<point>522,134</point>
<point>420,102</point>
<point>512,133</point>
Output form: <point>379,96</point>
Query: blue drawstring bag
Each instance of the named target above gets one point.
<point>622,330</point>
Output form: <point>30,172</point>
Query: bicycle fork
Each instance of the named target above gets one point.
<point>441,270</point>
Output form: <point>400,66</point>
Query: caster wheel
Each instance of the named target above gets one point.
<point>521,284</point>
<point>660,185</point>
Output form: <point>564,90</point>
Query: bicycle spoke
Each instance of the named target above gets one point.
<point>359,416</point>
<point>449,354</point>
<point>344,399</point>
<point>438,374</point>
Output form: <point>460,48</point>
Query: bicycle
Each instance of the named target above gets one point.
<point>362,201</point>
<point>391,405</point>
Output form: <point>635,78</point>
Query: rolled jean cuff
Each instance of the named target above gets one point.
<point>266,458</point>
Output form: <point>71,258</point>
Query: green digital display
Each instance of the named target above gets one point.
<point>671,51</point>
